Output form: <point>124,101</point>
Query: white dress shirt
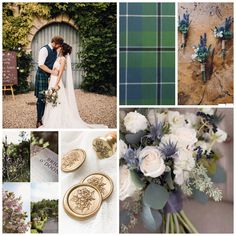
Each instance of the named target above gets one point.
<point>43,53</point>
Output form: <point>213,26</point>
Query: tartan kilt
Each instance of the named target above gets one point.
<point>41,82</point>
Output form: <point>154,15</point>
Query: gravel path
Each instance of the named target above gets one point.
<point>93,108</point>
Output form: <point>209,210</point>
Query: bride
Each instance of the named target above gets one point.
<point>65,114</point>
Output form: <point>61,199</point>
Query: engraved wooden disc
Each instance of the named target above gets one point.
<point>72,160</point>
<point>102,182</point>
<point>82,201</point>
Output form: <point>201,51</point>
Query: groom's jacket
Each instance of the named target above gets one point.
<point>41,81</point>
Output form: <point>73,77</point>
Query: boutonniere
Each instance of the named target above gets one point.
<point>201,54</point>
<point>223,33</point>
<point>183,27</point>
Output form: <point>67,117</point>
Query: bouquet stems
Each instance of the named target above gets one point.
<point>179,223</point>
<point>223,49</point>
<point>184,36</point>
<point>203,71</point>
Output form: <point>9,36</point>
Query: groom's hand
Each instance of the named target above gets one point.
<point>55,72</point>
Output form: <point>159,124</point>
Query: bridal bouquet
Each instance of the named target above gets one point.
<point>51,96</point>
<point>164,157</point>
<point>183,27</point>
<point>201,54</point>
<point>223,33</point>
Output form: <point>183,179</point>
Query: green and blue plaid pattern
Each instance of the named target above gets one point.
<point>147,53</point>
<point>41,82</point>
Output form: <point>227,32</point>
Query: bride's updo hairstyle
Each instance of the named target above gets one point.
<point>65,49</point>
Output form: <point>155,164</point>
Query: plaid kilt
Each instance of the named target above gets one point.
<point>41,82</point>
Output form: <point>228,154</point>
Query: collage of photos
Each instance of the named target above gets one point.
<point>117,117</point>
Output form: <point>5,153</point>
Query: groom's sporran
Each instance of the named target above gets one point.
<point>46,59</point>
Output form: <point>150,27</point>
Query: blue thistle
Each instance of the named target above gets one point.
<point>131,157</point>
<point>168,149</point>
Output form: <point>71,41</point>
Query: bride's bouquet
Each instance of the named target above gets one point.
<point>166,156</point>
<point>51,96</point>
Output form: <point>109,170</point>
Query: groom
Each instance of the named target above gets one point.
<point>47,57</point>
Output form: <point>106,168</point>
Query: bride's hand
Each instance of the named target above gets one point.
<point>57,87</point>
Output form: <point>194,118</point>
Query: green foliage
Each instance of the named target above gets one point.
<point>40,212</point>
<point>16,161</point>
<point>97,28</point>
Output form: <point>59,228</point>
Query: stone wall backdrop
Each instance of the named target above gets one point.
<point>219,88</point>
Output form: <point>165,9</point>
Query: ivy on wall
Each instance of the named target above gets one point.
<point>97,27</point>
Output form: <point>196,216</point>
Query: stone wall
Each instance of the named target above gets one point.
<point>219,87</point>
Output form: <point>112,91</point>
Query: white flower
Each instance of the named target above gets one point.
<point>154,116</point>
<point>192,120</point>
<point>151,162</point>
<point>204,146</point>
<point>208,111</point>
<point>175,119</point>
<point>135,122</point>
<point>123,148</point>
<point>194,56</point>
<point>183,164</point>
<point>186,137</point>
<point>220,136</point>
<point>127,186</point>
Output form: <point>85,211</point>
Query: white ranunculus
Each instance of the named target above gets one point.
<point>220,136</point>
<point>192,120</point>
<point>151,162</point>
<point>183,164</point>
<point>175,119</point>
<point>123,148</point>
<point>154,116</point>
<point>135,122</point>
<point>127,186</point>
<point>186,137</point>
<point>209,111</point>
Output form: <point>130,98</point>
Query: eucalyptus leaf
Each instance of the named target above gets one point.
<point>136,179</point>
<point>219,175</point>
<point>155,196</point>
<point>200,196</point>
<point>152,219</point>
<point>134,138</point>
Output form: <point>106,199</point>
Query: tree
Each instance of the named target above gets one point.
<point>14,218</point>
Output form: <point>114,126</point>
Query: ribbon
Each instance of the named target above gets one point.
<point>174,203</point>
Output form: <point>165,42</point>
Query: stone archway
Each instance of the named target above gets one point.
<point>39,23</point>
<point>41,33</point>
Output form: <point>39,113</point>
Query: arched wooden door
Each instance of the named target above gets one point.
<point>70,36</point>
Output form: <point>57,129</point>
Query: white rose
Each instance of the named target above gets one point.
<point>169,138</point>
<point>127,186</point>
<point>151,162</point>
<point>192,120</point>
<point>220,136</point>
<point>209,111</point>
<point>186,137</point>
<point>123,148</point>
<point>175,119</point>
<point>183,164</point>
<point>135,122</point>
<point>154,117</point>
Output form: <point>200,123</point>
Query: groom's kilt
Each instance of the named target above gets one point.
<point>41,82</point>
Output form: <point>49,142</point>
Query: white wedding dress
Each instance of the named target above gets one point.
<point>65,114</point>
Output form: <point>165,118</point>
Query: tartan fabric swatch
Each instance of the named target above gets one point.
<point>147,53</point>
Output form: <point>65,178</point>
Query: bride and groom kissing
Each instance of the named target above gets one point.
<point>53,61</point>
